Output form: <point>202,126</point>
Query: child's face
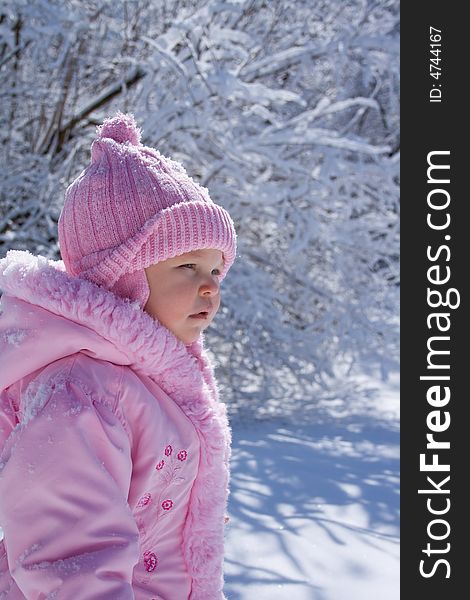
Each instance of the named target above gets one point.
<point>183,286</point>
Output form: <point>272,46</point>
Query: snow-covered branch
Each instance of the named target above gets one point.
<point>287,111</point>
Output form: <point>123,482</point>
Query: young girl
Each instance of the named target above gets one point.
<point>114,445</point>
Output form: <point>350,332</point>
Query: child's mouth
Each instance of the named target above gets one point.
<point>201,315</point>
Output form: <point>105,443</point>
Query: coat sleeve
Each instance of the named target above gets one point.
<point>65,473</point>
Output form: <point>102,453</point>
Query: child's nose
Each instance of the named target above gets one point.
<point>210,286</point>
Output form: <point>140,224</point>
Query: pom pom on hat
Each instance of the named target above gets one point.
<point>121,128</point>
<point>133,207</point>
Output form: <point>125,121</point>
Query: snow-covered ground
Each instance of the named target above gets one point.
<point>315,508</point>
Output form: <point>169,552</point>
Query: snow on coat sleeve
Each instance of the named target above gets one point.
<point>64,480</point>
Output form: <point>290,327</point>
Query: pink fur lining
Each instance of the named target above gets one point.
<point>185,373</point>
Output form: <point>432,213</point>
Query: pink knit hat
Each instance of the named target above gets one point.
<point>131,208</point>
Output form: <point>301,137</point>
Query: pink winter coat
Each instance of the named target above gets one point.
<point>114,446</point>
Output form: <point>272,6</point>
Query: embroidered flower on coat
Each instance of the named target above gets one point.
<point>169,470</point>
<point>169,474</point>
<point>167,504</point>
<point>150,561</point>
<point>146,499</point>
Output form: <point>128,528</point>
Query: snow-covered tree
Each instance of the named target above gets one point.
<point>287,111</point>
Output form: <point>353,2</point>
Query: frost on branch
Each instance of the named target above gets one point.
<point>287,111</point>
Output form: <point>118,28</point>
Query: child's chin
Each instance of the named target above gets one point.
<point>193,338</point>
<point>189,338</point>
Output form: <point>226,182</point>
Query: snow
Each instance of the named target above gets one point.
<point>314,509</point>
<point>288,112</point>
<point>14,337</point>
<point>26,553</point>
<point>36,396</point>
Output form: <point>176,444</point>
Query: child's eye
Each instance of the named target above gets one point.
<point>190,265</point>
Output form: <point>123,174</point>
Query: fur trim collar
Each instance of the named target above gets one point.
<point>151,348</point>
<point>183,372</point>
